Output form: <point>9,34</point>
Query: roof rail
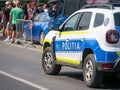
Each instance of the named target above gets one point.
<point>105,6</point>
<point>100,5</point>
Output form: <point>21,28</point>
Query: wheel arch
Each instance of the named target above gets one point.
<point>85,53</point>
<point>46,44</point>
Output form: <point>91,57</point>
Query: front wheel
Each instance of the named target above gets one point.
<point>48,62</point>
<point>92,77</point>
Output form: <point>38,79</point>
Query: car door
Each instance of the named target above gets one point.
<point>69,42</point>
<point>39,23</point>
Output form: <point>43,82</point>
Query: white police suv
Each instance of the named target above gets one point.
<point>89,39</point>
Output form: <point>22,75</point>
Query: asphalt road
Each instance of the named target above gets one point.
<point>20,69</point>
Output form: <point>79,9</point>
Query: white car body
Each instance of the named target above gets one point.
<point>91,33</point>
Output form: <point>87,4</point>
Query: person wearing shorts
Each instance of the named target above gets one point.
<point>6,17</point>
<point>15,13</point>
<point>14,27</point>
<point>9,29</point>
<point>8,26</point>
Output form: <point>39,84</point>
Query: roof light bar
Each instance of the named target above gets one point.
<point>97,1</point>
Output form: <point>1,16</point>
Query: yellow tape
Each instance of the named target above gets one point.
<point>69,61</point>
<point>45,41</point>
<point>73,32</point>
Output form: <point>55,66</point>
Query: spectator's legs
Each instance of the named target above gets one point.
<point>8,32</point>
<point>13,36</point>
<point>4,29</point>
<point>13,33</point>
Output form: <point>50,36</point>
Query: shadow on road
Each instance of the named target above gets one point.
<point>110,82</point>
<point>75,75</point>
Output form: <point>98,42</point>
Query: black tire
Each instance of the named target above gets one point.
<point>41,38</point>
<point>48,62</point>
<point>92,77</point>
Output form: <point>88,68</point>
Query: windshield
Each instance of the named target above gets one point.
<point>117,19</point>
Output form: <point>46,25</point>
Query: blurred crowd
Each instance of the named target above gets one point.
<point>19,10</point>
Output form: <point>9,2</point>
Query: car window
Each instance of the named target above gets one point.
<point>99,19</point>
<point>71,23</point>
<point>85,21</point>
<point>117,19</point>
<point>42,18</point>
<point>37,18</point>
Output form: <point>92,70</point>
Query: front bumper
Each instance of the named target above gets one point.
<point>115,67</point>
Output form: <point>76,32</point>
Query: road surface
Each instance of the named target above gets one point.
<point>20,69</point>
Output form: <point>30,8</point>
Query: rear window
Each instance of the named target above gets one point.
<point>117,19</point>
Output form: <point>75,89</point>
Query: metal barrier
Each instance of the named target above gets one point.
<point>24,32</point>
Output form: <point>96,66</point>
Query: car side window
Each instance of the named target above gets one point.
<point>42,18</point>
<point>71,23</point>
<point>37,18</point>
<point>99,19</point>
<point>85,21</point>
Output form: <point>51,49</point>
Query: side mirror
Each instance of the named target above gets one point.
<point>56,27</point>
<point>60,28</point>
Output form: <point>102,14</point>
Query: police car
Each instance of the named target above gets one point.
<point>89,39</point>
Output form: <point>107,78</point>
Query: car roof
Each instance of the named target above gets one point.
<point>111,6</point>
<point>94,10</point>
<point>98,5</point>
<point>103,10</point>
<point>97,10</point>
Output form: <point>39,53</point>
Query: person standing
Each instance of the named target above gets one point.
<point>45,8</point>
<point>24,8</point>
<point>40,8</point>
<point>33,8</point>
<point>15,13</point>
<point>2,21</point>
<point>8,27</point>
<point>6,17</point>
<point>52,9</point>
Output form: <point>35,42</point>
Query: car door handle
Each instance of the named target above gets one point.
<point>67,40</point>
<point>82,39</point>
